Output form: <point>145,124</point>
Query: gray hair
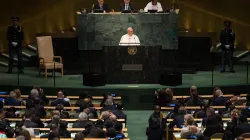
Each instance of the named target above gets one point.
<point>109,102</point>
<point>83,116</point>
<point>34,93</point>
<point>105,115</point>
<point>12,94</point>
<point>20,138</point>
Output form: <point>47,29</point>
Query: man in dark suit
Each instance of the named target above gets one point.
<point>101,6</point>
<point>212,118</point>
<point>11,100</point>
<point>82,122</point>
<point>118,112</point>
<point>27,120</point>
<point>63,132</point>
<point>195,101</point>
<point>15,37</point>
<point>60,100</point>
<point>126,5</point>
<point>218,99</point>
<point>192,90</point>
<point>179,119</point>
<point>227,38</point>
<point>109,105</point>
<point>243,126</point>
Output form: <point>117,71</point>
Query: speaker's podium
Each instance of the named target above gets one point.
<point>131,64</point>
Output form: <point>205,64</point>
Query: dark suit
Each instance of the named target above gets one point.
<point>80,124</point>
<point>130,7</point>
<point>64,133</point>
<point>44,99</point>
<point>60,101</point>
<point>12,102</point>
<point>155,134</point>
<point>119,114</point>
<point>110,107</point>
<point>30,124</point>
<point>212,129</point>
<point>104,7</point>
<point>40,111</point>
<point>219,101</point>
<point>37,121</point>
<point>178,121</point>
<point>192,102</point>
<point>15,34</point>
<point>242,128</point>
<point>227,37</point>
<point>94,132</point>
<point>190,97</point>
<point>212,120</point>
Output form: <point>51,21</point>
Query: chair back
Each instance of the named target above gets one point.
<point>217,135</point>
<point>245,135</point>
<point>45,48</point>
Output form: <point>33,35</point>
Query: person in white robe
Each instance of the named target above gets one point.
<point>129,38</point>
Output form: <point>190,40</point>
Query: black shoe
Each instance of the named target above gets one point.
<point>21,71</point>
<point>232,71</point>
<point>222,71</point>
<point>9,71</point>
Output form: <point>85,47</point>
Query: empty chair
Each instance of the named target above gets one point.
<point>46,55</point>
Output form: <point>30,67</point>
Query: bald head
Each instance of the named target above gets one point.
<point>130,31</point>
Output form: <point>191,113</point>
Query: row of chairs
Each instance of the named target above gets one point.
<point>70,97</point>
<point>198,107</point>
<point>119,97</point>
<point>63,139</point>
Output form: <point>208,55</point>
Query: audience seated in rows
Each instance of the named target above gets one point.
<point>58,128</point>
<point>211,118</point>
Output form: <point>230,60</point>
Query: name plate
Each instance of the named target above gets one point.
<point>132,67</point>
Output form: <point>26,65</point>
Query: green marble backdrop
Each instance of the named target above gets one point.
<point>97,30</point>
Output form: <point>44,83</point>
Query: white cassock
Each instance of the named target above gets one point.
<point>129,40</point>
<point>150,6</point>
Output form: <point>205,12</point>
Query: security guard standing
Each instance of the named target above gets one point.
<point>227,38</point>
<point>15,38</point>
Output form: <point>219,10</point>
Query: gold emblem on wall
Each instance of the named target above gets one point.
<point>132,50</point>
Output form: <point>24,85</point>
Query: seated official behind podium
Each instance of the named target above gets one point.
<point>126,5</point>
<point>101,6</point>
<point>153,5</point>
<point>129,39</point>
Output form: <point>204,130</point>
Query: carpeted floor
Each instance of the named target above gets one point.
<point>201,78</point>
<point>137,124</point>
